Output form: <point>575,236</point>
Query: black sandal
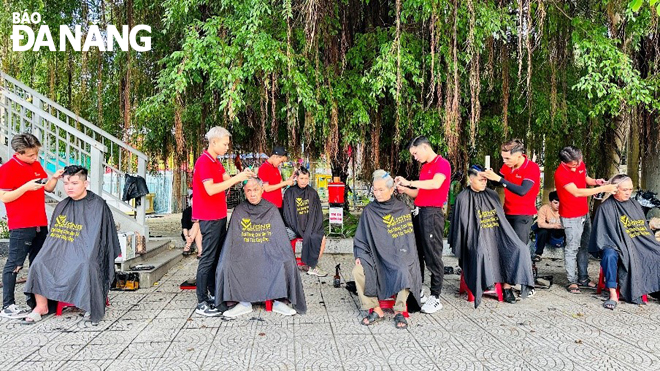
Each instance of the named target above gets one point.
<point>573,288</point>
<point>371,318</point>
<point>610,304</point>
<point>586,284</point>
<point>400,319</point>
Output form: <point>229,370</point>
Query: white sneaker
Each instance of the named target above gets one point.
<point>238,310</point>
<point>422,297</point>
<point>316,271</point>
<point>283,309</point>
<point>14,311</point>
<point>432,305</point>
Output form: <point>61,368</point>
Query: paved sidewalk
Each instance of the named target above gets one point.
<point>156,329</point>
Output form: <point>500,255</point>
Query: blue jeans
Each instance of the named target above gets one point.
<point>576,253</point>
<point>610,265</point>
<point>23,242</point>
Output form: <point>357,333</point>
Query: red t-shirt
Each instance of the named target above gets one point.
<point>271,175</point>
<point>569,205</point>
<point>29,210</point>
<point>434,197</point>
<point>205,206</point>
<point>521,205</point>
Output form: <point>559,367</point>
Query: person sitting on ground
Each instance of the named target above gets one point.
<point>190,231</point>
<point>386,261</point>
<point>488,249</point>
<point>257,263</point>
<point>630,253</point>
<point>549,226</point>
<point>77,261</point>
<point>303,217</point>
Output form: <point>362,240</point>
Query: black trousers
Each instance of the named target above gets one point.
<point>522,225</point>
<point>23,243</point>
<point>213,237</point>
<point>429,227</point>
<point>543,237</point>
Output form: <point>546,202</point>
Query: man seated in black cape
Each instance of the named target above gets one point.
<point>386,261</point>
<point>257,263</point>
<point>488,249</point>
<point>76,262</point>
<point>629,251</point>
<point>303,215</point>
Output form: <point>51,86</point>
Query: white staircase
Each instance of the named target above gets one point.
<point>71,140</point>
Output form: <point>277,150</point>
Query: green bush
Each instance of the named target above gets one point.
<point>4,230</point>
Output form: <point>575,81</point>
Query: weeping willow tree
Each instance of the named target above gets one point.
<point>358,78</point>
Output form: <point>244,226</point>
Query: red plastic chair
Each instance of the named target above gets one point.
<point>601,286</point>
<point>389,304</point>
<point>293,246</point>
<point>61,305</point>
<point>470,297</point>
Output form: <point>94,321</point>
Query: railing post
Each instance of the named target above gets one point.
<point>142,171</point>
<point>96,171</point>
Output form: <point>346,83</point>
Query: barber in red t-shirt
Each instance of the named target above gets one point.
<point>571,181</point>
<point>22,190</point>
<point>430,193</point>
<point>210,181</point>
<point>269,173</point>
<point>521,179</point>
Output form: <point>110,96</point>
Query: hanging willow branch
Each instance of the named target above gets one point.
<point>520,35</point>
<point>397,120</point>
<point>475,78</point>
<point>452,113</point>
<point>432,25</point>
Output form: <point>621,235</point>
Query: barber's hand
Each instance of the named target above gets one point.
<point>289,181</point>
<point>401,181</point>
<point>490,175</point>
<point>600,182</point>
<point>611,188</point>
<point>58,174</point>
<point>32,185</point>
<point>357,261</point>
<point>402,189</point>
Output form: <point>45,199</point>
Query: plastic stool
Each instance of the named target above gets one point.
<point>470,297</point>
<point>389,304</point>
<point>601,286</point>
<point>62,305</point>
<point>293,246</point>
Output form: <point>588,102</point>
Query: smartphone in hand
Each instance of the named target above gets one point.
<point>42,181</point>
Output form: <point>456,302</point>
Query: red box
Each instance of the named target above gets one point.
<point>336,193</point>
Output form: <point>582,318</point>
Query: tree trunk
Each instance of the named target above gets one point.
<point>127,86</point>
<point>616,139</point>
<point>634,147</point>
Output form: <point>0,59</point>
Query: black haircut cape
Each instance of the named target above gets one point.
<point>257,261</point>
<point>385,244</point>
<point>76,263</point>
<point>303,214</point>
<point>488,249</point>
<point>621,225</point>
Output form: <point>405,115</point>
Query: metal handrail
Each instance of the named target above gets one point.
<point>73,116</point>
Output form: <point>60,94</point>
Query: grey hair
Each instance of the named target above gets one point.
<point>217,132</point>
<point>619,178</point>
<point>254,179</point>
<point>382,174</point>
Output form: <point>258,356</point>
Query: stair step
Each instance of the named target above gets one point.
<point>162,264</point>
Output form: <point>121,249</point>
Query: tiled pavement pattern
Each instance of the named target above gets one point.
<point>156,329</point>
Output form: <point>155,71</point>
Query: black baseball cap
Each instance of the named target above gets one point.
<point>280,151</point>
